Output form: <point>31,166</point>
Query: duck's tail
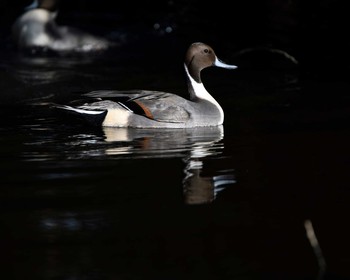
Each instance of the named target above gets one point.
<point>94,117</point>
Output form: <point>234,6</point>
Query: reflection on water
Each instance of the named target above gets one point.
<point>70,221</point>
<point>111,200</point>
<point>194,145</point>
<point>55,153</point>
<point>41,70</point>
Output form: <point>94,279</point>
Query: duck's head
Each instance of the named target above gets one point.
<point>200,56</point>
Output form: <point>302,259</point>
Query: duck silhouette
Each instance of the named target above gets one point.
<point>37,30</point>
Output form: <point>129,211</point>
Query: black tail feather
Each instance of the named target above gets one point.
<point>91,119</point>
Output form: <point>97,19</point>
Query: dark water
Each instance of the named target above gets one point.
<point>231,202</point>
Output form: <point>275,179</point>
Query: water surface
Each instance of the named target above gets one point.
<point>230,202</point>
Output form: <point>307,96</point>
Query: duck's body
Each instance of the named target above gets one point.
<point>146,109</point>
<point>154,109</point>
<point>36,28</point>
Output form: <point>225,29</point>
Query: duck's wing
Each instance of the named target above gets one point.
<point>117,95</point>
<point>155,105</point>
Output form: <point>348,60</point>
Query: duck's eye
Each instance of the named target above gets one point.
<point>206,51</point>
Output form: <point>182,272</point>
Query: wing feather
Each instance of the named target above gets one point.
<point>155,105</point>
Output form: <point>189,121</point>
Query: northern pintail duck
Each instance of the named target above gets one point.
<point>36,29</point>
<point>156,109</point>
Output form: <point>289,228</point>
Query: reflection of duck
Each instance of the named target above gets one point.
<point>166,141</point>
<point>150,109</point>
<point>36,29</point>
<point>194,145</point>
<point>200,189</point>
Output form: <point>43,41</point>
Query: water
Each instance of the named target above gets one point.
<point>230,202</point>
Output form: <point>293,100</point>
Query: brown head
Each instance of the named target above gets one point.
<point>200,56</point>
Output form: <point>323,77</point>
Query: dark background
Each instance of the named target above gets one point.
<point>289,126</point>
<point>315,32</point>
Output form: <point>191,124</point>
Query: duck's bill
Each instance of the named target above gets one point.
<point>219,63</point>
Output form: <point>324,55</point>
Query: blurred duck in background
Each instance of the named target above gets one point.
<point>36,30</point>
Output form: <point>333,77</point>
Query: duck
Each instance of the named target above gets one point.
<point>37,30</point>
<point>156,109</point>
